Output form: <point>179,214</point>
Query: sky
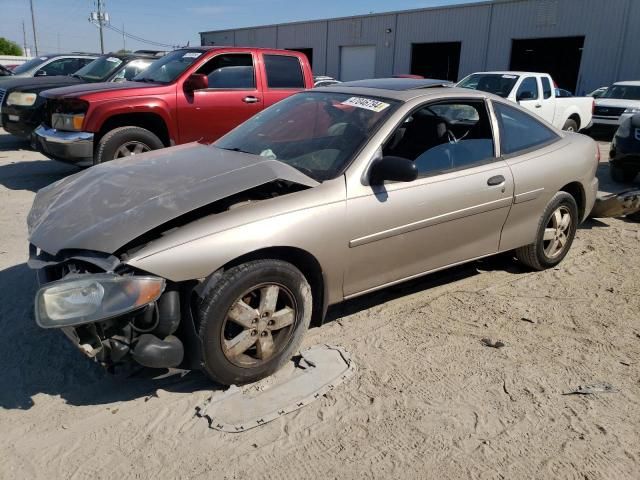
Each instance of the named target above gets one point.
<point>62,25</point>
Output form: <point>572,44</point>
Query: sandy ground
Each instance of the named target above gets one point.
<point>429,400</point>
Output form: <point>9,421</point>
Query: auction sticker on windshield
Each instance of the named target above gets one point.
<point>366,103</point>
<point>191,55</point>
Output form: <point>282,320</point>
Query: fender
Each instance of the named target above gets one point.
<point>100,112</point>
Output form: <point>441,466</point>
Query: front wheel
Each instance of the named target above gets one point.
<point>125,142</point>
<point>556,231</point>
<point>253,320</point>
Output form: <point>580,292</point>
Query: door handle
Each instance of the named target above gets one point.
<point>538,105</point>
<point>495,181</point>
<point>250,99</point>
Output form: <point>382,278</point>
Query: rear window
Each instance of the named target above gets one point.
<point>496,83</point>
<point>520,131</point>
<point>283,71</point>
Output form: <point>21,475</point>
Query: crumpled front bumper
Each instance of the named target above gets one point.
<point>70,147</point>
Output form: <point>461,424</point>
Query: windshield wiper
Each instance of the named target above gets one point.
<point>146,80</point>
<point>236,149</point>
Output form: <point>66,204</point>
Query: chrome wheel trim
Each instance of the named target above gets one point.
<point>131,148</point>
<point>556,234</point>
<point>259,325</point>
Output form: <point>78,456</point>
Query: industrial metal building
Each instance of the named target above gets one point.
<point>583,44</point>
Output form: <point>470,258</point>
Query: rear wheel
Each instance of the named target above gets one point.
<point>253,320</point>
<point>570,126</point>
<point>126,142</point>
<point>556,231</point>
<point>621,174</point>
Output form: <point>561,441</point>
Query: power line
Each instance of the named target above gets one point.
<point>139,39</point>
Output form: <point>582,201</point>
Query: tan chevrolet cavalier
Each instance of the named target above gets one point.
<point>217,257</point>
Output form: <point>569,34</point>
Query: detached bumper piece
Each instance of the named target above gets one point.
<point>70,147</point>
<point>617,204</point>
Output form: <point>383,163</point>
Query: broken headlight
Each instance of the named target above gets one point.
<point>91,298</point>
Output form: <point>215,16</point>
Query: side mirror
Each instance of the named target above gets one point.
<point>196,81</point>
<point>40,73</point>
<point>396,169</point>
<point>524,96</point>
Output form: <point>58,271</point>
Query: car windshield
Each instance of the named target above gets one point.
<point>100,69</point>
<point>169,67</point>
<point>496,83</point>
<point>623,92</point>
<point>25,67</point>
<point>316,132</point>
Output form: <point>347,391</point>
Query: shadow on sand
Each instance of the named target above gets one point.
<point>36,361</point>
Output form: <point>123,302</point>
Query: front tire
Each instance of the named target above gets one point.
<point>556,231</point>
<point>622,175</point>
<point>125,142</point>
<point>253,320</point>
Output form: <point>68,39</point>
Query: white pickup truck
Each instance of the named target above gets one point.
<point>535,92</point>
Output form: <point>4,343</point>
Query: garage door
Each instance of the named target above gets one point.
<point>357,63</point>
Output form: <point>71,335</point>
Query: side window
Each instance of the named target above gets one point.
<point>63,66</point>
<point>528,89</point>
<point>232,70</point>
<point>520,131</point>
<point>131,70</point>
<point>546,87</point>
<point>283,71</point>
<point>443,137</point>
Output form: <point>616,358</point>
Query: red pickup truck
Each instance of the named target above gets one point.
<point>191,94</point>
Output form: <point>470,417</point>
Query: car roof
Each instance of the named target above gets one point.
<point>404,95</point>
<point>397,84</point>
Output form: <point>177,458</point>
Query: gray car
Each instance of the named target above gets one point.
<point>217,257</point>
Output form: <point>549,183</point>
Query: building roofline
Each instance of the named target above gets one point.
<point>468,3</point>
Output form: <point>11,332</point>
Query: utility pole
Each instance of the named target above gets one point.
<point>124,42</point>
<point>24,40</point>
<point>33,24</point>
<point>100,18</point>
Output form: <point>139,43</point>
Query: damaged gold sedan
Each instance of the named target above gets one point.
<point>217,257</point>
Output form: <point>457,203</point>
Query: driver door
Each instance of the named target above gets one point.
<point>232,97</point>
<point>453,212</point>
<point>528,95</point>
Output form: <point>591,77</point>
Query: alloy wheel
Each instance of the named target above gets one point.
<point>131,148</point>
<point>556,233</point>
<point>259,325</point>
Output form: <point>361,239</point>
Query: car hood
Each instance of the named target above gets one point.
<point>37,84</point>
<point>109,205</point>
<point>88,88</point>
<point>617,103</point>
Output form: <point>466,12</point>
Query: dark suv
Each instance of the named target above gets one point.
<point>624,157</point>
<point>22,109</point>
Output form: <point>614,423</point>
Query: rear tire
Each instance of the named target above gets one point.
<point>245,334</point>
<point>116,143</point>
<point>622,175</point>
<point>570,126</point>
<point>556,228</point>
